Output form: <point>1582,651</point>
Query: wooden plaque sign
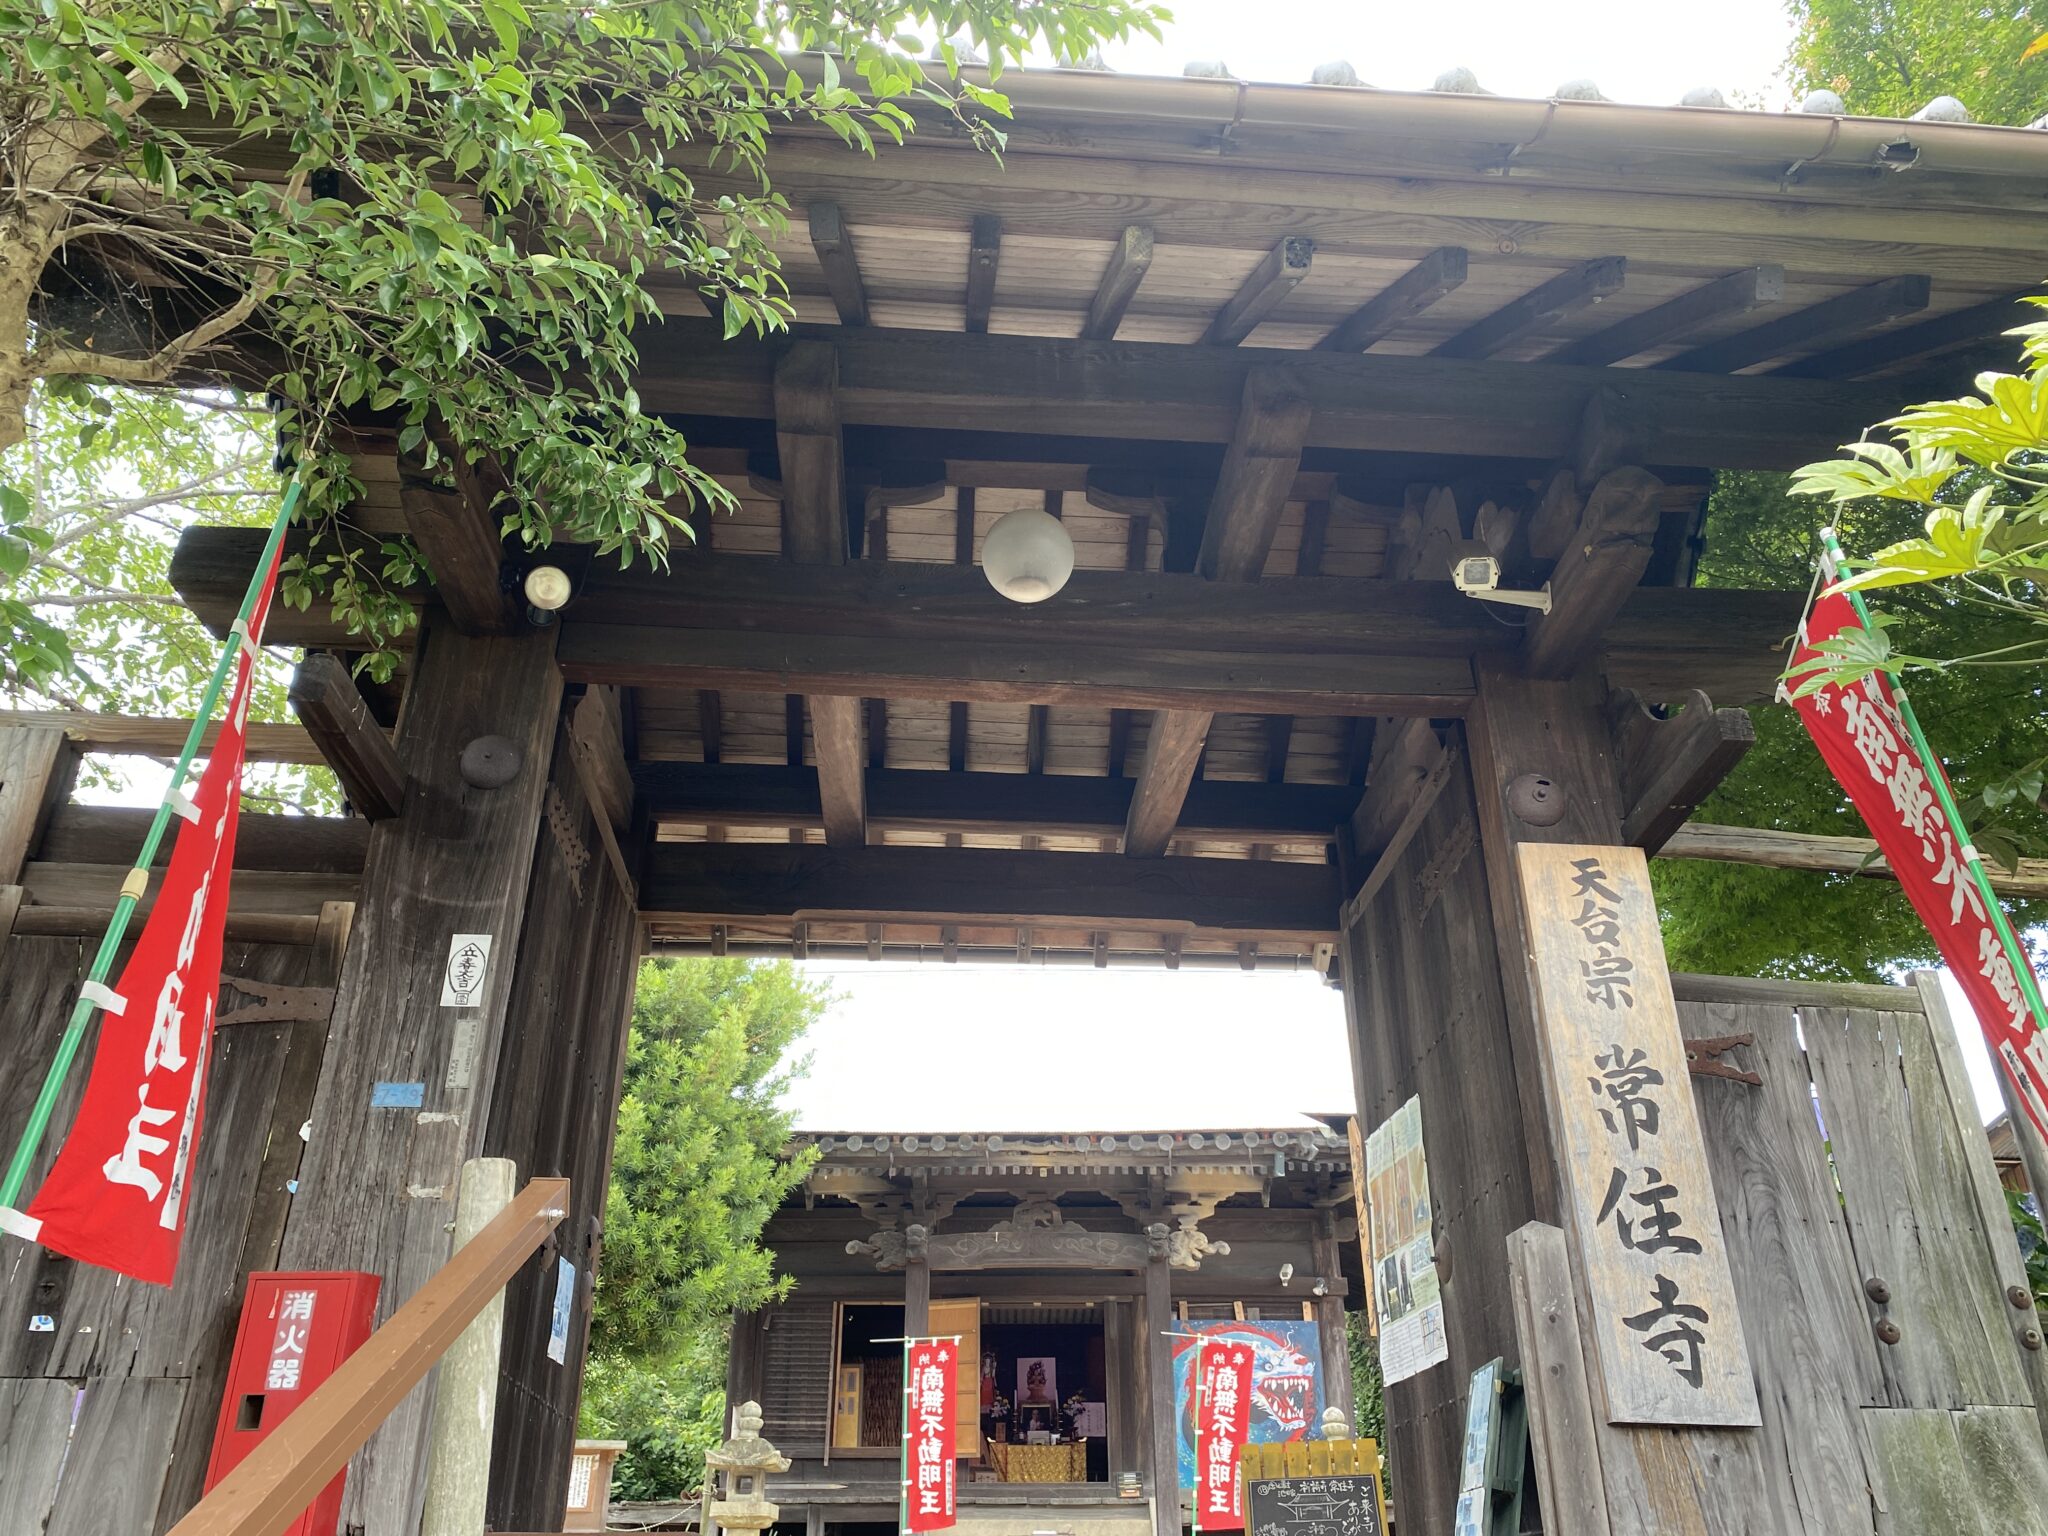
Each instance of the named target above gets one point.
<point>1314,1506</point>
<point>1662,1308</point>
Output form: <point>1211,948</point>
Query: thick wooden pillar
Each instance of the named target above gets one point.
<point>554,1110</point>
<point>36,767</point>
<point>917,1298</point>
<point>406,1081</point>
<point>1156,1319</point>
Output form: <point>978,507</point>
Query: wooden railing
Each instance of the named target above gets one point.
<point>287,1471</point>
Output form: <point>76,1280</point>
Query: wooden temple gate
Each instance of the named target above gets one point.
<point>1275,356</point>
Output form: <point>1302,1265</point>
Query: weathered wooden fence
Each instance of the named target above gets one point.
<point>1895,1345</point>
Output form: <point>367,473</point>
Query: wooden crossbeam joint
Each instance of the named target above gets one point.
<point>459,539</point>
<point>1600,566</point>
<point>335,715</point>
<point>1668,766</point>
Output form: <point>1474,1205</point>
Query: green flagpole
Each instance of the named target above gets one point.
<point>138,878</point>
<point>1939,782</point>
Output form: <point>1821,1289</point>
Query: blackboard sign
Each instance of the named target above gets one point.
<point>1313,1506</point>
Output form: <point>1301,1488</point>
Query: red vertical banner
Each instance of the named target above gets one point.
<point>930,1383</point>
<point>1862,734</point>
<point>1222,1417</point>
<point>120,1191</point>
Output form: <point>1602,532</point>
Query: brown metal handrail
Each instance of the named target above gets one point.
<point>284,1474</point>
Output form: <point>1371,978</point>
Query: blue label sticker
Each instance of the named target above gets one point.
<point>558,1325</point>
<point>397,1095</point>
<point>42,1322</point>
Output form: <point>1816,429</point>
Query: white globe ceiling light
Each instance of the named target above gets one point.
<point>1028,555</point>
<point>547,587</point>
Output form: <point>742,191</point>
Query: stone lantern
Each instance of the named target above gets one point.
<point>746,1460</point>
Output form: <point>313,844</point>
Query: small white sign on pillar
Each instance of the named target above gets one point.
<point>1665,1328</point>
<point>469,965</point>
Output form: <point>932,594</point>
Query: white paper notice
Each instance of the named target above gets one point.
<point>1406,1293</point>
<point>469,962</point>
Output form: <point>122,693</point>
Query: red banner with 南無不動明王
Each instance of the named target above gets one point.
<point>930,1375</point>
<point>1222,1419</point>
<point>119,1192</point>
<point>1862,733</point>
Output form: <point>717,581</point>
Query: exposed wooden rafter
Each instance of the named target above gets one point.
<point>1566,294</point>
<point>833,242</point>
<point>1736,294</point>
<point>1173,747</point>
<point>1916,344</point>
<point>984,254</point>
<point>1859,309</point>
<point>1440,272</point>
<point>1128,264</point>
<point>1275,277</point>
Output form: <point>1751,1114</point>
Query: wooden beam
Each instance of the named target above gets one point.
<point>460,542</point>
<point>1912,345</point>
<point>1809,329</point>
<point>1404,755</point>
<point>1442,271</point>
<point>814,533</point>
<point>1667,767</point>
<point>1826,855</point>
<point>1128,264</point>
<point>1407,813</point>
<point>1258,472</point>
<point>1275,277</point>
<point>710,724</point>
<point>807,436</point>
<point>1173,746</point>
<point>984,254</point>
<point>836,741</point>
<point>1600,566</point>
<point>877,712</point>
<point>833,242</point>
<point>956,735</point>
<point>1736,294</point>
<point>1038,725</point>
<point>284,1473</point>
<point>1244,513</point>
<point>328,704</point>
<point>1279,731</point>
<point>768,795</point>
<point>1331,646</point>
<point>160,736</point>
<point>1566,294</point>
<point>1228,898</point>
<point>36,764</point>
<point>1164,393</point>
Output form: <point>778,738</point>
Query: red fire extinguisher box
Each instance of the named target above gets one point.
<point>296,1329</point>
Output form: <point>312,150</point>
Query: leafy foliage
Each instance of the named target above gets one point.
<point>106,483</point>
<point>698,1166</point>
<point>668,1416</point>
<point>2026,1226</point>
<point>459,216</point>
<point>1746,921</point>
<point>1889,58</point>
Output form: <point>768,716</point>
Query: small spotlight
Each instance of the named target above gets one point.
<point>547,587</point>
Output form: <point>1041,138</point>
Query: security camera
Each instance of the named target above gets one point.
<point>1320,1288</point>
<point>1475,571</point>
<point>1286,1273</point>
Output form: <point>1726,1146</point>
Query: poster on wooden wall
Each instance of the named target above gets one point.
<point>1406,1295</point>
<point>1665,1327</point>
<point>1286,1399</point>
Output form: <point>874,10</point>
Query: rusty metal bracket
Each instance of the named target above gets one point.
<point>270,1002</point>
<point>1700,1059</point>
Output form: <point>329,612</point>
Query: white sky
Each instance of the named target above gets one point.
<point>1644,51</point>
